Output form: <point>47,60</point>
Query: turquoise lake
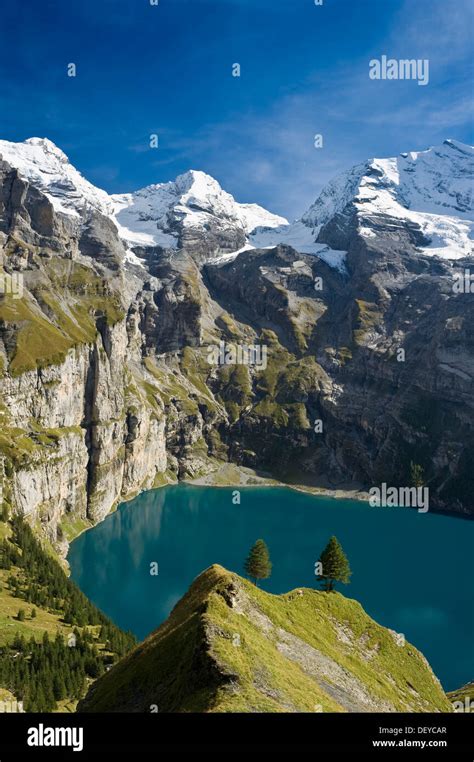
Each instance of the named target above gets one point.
<point>411,571</point>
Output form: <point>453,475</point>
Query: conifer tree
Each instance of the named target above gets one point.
<point>42,673</point>
<point>59,687</point>
<point>416,475</point>
<point>334,565</point>
<point>258,564</point>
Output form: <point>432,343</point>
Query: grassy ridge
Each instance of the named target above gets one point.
<point>229,647</point>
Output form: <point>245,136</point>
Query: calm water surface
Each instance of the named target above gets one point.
<point>411,571</point>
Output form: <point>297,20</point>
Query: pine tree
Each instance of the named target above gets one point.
<point>258,564</point>
<point>21,616</point>
<point>59,687</point>
<point>416,475</point>
<point>68,616</point>
<point>39,700</point>
<point>334,565</point>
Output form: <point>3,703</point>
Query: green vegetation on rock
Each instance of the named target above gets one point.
<point>61,312</point>
<point>227,646</point>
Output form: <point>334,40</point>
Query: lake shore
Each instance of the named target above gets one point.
<point>231,475</point>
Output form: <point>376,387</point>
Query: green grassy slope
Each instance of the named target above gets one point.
<point>230,647</point>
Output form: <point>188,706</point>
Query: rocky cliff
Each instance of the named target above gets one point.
<point>109,306</point>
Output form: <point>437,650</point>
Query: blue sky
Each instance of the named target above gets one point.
<point>167,69</point>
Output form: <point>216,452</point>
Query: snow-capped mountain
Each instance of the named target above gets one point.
<point>107,318</point>
<point>44,165</point>
<point>165,214</point>
<point>431,191</point>
<point>152,216</point>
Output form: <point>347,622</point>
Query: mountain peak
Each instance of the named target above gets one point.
<point>196,178</point>
<point>195,184</point>
<point>161,214</point>
<point>41,153</point>
<point>48,147</point>
<point>431,190</point>
<point>46,166</point>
